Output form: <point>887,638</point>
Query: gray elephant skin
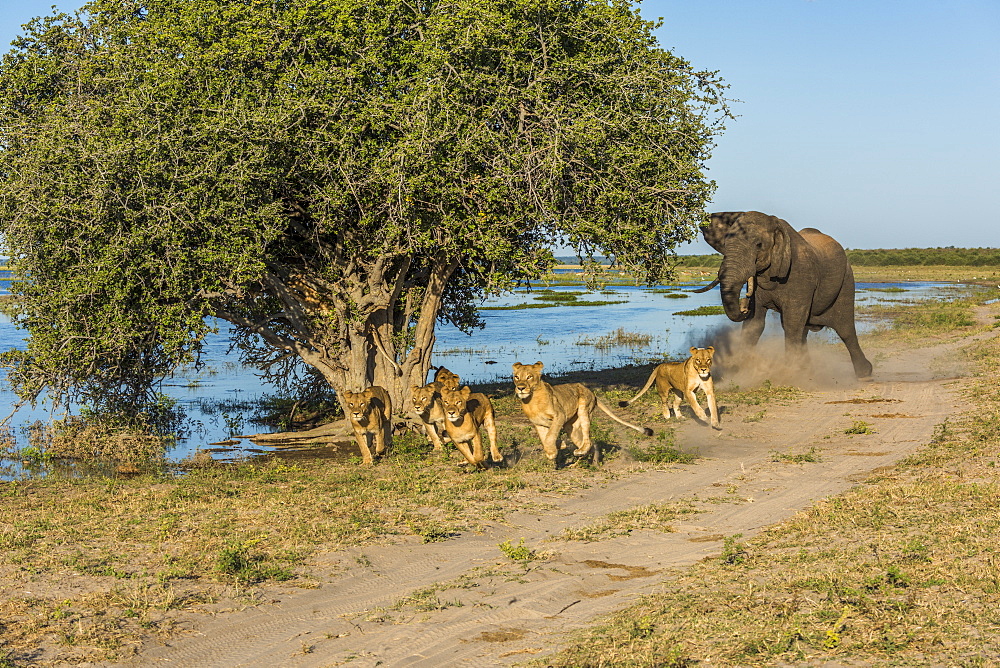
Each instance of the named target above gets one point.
<point>805,276</point>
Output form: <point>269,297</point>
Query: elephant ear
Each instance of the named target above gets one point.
<point>781,251</point>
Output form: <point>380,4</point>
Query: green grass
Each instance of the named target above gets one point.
<point>704,310</point>
<point>860,427</point>
<point>618,338</point>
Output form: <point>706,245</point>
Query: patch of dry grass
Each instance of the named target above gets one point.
<point>654,516</point>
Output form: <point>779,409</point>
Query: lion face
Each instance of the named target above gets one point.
<point>526,378</point>
<point>358,404</point>
<point>446,379</point>
<point>454,403</point>
<point>702,360</point>
<point>422,397</point>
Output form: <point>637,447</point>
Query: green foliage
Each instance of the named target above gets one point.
<point>733,551</point>
<point>860,427</point>
<point>322,172</point>
<point>239,561</point>
<point>949,256</point>
<point>519,552</point>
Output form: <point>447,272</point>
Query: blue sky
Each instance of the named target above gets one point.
<point>875,121</point>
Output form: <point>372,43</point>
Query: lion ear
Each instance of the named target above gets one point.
<point>693,350</point>
<point>515,366</point>
<point>466,392</point>
<point>710,349</point>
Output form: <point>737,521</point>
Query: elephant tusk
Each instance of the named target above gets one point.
<point>745,301</point>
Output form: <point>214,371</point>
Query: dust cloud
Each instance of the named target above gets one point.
<point>826,365</point>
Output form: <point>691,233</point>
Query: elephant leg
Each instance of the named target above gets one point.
<point>848,334</point>
<point>753,327</point>
<point>794,324</point>
<point>745,355</point>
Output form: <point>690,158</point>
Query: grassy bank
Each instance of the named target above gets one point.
<point>902,570</point>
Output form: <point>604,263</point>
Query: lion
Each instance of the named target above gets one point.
<point>427,406</point>
<point>568,407</point>
<point>446,378</point>
<point>682,379</point>
<point>369,413</point>
<point>466,412</point>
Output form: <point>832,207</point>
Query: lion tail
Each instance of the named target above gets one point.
<point>649,384</point>
<point>646,431</point>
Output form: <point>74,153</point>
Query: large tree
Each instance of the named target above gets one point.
<point>331,176</point>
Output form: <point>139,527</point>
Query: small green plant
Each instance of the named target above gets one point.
<point>661,452</point>
<point>519,552</point>
<point>642,627</point>
<point>433,533</point>
<point>833,634</point>
<point>239,561</point>
<point>860,427</point>
<point>733,551</point>
<point>799,458</point>
<point>34,455</point>
<point>917,551</point>
<point>755,417</point>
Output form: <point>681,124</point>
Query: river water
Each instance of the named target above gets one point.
<point>566,338</point>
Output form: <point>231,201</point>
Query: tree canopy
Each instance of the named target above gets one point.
<point>331,176</point>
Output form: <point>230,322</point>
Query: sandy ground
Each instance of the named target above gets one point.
<point>492,611</point>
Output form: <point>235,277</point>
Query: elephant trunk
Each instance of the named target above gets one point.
<point>733,274</point>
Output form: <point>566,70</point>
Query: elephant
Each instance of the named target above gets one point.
<point>805,276</point>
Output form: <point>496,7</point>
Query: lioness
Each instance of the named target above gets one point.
<point>682,379</point>
<point>370,413</point>
<point>427,405</point>
<point>554,408</point>
<point>465,413</point>
<point>446,378</point>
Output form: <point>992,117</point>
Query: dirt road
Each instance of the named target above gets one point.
<point>463,603</point>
